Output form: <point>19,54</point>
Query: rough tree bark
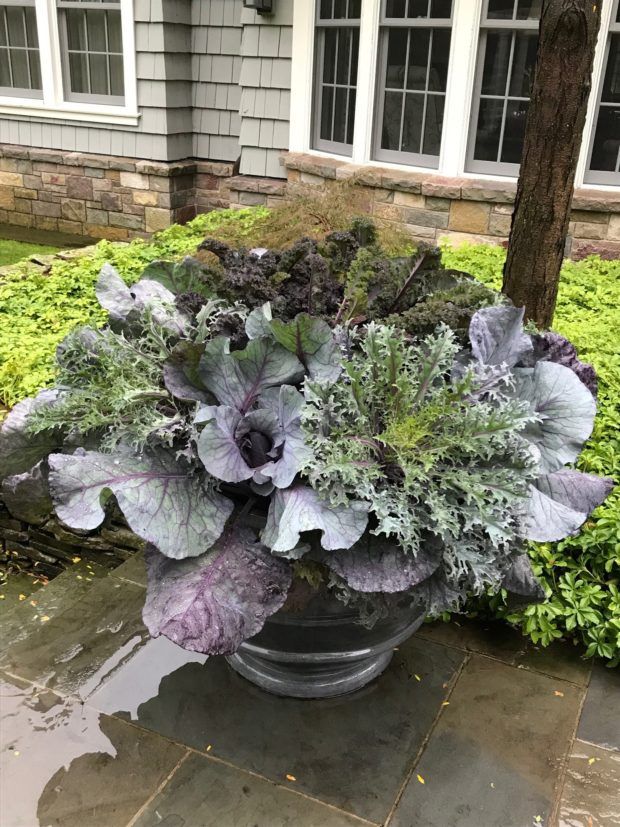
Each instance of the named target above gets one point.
<point>555,122</point>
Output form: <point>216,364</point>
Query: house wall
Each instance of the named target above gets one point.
<point>265,83</point>
<point>164,93</point>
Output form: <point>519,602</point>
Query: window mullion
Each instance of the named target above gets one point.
<point>460,88</point>
<point>366,81</point>
<point>49,53</point>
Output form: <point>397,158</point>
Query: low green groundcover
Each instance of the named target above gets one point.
<point>580,574</point>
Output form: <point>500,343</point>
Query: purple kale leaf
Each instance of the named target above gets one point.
<point>211,604</point>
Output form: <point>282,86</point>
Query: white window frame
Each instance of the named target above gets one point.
<point>466,18</point>
<point>53,103</point>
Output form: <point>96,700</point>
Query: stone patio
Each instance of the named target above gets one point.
<point>469,727</point>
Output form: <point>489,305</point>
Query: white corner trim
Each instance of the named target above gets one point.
<point>302,72</point>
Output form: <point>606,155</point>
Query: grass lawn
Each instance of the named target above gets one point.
<point>13,251</point>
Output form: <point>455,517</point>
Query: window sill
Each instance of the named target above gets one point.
<point>112,116</point>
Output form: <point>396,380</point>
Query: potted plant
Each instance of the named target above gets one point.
<point>320,447</point>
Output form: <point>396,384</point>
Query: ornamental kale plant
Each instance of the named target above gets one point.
<point>270,415</point>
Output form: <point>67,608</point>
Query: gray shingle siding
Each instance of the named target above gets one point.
<point>213,82</point>
<point>216,66</point>
<point>265,83</point>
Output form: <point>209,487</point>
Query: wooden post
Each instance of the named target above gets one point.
<point>553,133</point>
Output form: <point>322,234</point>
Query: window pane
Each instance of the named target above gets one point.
<point>418,8</point>
<point>325,11</point>
<point>392,115</point>
<point>78,72</point>
<point>98,74</point>
<point>35,69</point>
<point>418,58</point>
<point>395,8</point>
<point>488,129</point>
<point>354,57</point>
<point>412,125</point>
<point>441,8</point>
<point>3,40</point>
<point>438,78</point>
<point>115,38</point>
<point>31,27</point>
<point>327,101</point>
<point>351,121</point>
<point>396,58</point>
<point>117,80</point>
<point>501,9</point>
<point>19,64</point>
<point>433,124</point>
<point>611,85</point>
<point>5,73</point>
<point>355,9</point>
<point>529,9</point>
<point>496,61</point>
<point>514,131</point>
<point>606,139</point>
<point>95,26</point>
<point>340,116</point>
<point>523,64</point>
<point>329,55</point>
<point>76,29</point>
<point>344,55</point>
<point>15,21</point>
<point>340,9</point>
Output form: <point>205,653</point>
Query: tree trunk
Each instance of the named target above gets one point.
<point>553,132</point>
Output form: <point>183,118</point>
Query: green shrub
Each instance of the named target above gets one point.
<point>38,309</point>
<point>581,574</point>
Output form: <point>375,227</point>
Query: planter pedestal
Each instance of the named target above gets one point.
<point>322,651</point>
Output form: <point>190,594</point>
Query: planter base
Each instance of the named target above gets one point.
<point>307,680</point>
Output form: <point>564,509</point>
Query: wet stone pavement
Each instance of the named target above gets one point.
<point>469,727</point>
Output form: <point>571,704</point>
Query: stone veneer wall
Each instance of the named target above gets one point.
<point>460,209</point>
<point>100,196</point>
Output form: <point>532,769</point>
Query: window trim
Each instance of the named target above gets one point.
<point>598,176</point>
<point>466,18</point>
<point>54,103</point>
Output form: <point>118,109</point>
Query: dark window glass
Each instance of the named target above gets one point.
<point>496,62</point>
<point>325,12</point>
<point>433,125</point>
<point>396,58</point>
<point>611,85</point>
<point>417,8</point>
<point>396,8</point>
<point>529,9</point>
<point>606,143</point>
<point>441,8</point>
<point>488,130</point>
<point>501,9</point>
<point>514,131</point>
<point>417,70</point>
<point>412,123</point>
<point>523,64</point>
<point>392,119</point>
